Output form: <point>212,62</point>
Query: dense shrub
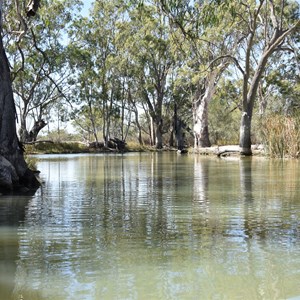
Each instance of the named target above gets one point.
<point>281,136</point>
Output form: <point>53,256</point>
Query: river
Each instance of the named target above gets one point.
<point>153,226</point>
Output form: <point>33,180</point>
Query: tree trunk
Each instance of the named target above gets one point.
<point>248,105</point>
<point>136,115</point>
<point>250,91</point>
<point>32,7</point>
<point>151,130</point>
<point>201,125</point>
<point>201,109</point>
<point>159,133</point>
<point>178,128</point>
<point>36,128</point>
<point>14,173</point>
<point>31,136</point>
<point>23,132</point>
<point>139,128</point>
<point>179,135</point>
<point>245,134</point>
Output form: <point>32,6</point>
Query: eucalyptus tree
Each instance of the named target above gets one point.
<point>147,41</point>
<point>130,98</point>
<point>265,25</point>
<point>279,89</point>
<point>96,87</point>
<point>259,29</point>
<point>38,63</point>
<point>14,172</point>
<point>85,88</point>
<point>202,31</point>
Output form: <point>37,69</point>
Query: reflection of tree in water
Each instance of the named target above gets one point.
<point>74,226</point>
<point>247,196</point>
<point>203,225</point>
<point>12,213</point>
<point>53,231</point>
<point>269,202</point>
<point>156,214</point>
<point>237,219</point>
<point>246,179</point>
<point>201,180</point>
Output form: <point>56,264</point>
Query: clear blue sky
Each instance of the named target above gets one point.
<point>86,7</point>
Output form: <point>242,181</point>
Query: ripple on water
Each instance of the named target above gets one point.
<point>142,227</point>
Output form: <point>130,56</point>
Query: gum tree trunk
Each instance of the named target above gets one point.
<point>14,173</point>
<point>201,110</point>
<point>158,132</point>
<point>251,83</point>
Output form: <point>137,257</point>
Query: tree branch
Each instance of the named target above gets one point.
<point>273,16</point>
<point>231,58</point>
<point>32,7</point>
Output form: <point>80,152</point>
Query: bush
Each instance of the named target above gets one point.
<point>281,136</point>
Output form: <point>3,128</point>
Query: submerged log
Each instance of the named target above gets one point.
<point>227,153</point>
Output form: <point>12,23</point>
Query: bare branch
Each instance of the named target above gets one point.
<point>14,74</point>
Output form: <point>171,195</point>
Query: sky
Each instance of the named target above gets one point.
<point>86,7</point>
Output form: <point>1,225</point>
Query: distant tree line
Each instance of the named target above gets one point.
<point>159,72</point>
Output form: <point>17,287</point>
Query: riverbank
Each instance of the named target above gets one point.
<point>48,147</point>
<point>229,150</point>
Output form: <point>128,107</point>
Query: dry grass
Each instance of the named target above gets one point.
<point>281,136</point>
<point>55,148</point>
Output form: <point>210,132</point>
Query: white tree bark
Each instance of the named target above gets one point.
<point>201,110</point>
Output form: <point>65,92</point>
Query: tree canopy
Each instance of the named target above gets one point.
<point>162,72</point>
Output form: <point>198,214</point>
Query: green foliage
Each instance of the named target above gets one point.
<point>224,114</point>
<point>36,51</point>
<point>134,57</point>
<point>60,135</point>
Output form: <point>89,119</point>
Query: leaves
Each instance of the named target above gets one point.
<point>152,54</point>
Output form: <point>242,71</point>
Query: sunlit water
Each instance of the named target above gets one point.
<point>154,226</point>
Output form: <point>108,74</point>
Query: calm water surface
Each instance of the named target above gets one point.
<point>153,226</point>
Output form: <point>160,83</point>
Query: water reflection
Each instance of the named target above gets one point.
<point>246,179</point>
<point>12,212</point>
<point>160,226</point>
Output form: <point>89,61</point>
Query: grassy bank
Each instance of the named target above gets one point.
<point>49,147</point>
<point>56,148</point>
